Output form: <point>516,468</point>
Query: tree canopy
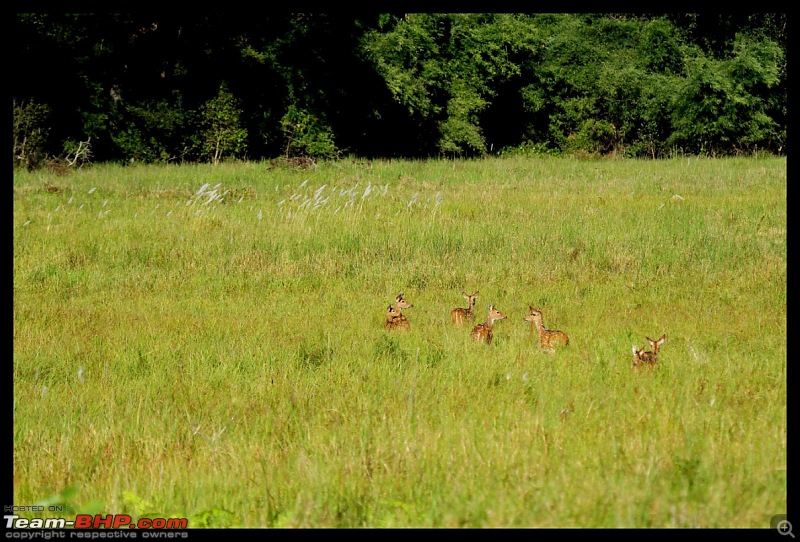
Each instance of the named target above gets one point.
<point>187,87</point>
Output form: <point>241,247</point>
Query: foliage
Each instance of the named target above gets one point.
<point>78,153</point>
<point>156,131</point>
<point>601,86</point>
<point>629,87</point>
<point>306,135</point>
<point>717,106</point>
<point>414,84</point>
<point>31,128</point>
<point>221,130</point>
<point>214,519</point>
<point>65,500</point>
<point>443,68</point>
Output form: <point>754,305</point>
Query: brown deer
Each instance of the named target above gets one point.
<point>648,358</point>
<point>548,338</point>
<point>483,332</point>
<point>395,319</point>
<point>459,314</point>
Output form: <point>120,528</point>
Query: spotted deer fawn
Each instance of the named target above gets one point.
<point>548,338</point>
<point>648,358</point>
<point>395,319</point>
<point>483,332</point>
<point>459,314</point>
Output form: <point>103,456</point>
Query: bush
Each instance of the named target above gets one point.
<point>719,109</point>
<point>222,132</point>
<point>306,135</point>
<point>30,133</point>
<point>156,131</point>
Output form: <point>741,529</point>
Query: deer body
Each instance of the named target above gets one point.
<point>458,315</point>
<point>395,319</point>
<point>548,338</point>
<point>647,358</point>
<point>483,332</point>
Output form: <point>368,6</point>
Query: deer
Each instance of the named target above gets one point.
<point>395,319</point>
<point>642,357</point>
<point>483,332</point>
<point>459,314</point>
<point>548,338</point>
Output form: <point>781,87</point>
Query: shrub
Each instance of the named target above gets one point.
<point>222,132</point>
<point>306,135</point>
<point>30,133</point>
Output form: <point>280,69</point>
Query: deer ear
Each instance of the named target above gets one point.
<point>633,349</point>
<point>475,294</point>
<point>660,341</point>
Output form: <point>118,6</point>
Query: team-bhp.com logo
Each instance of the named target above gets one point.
<point>97,521</point>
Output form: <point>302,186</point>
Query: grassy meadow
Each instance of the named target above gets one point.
<point>208,342</point>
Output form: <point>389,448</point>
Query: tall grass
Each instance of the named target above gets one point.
<point>208,342</point>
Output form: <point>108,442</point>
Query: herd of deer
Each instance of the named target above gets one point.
<point>549,339</point>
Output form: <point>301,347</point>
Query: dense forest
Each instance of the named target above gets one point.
<point>133,88</point>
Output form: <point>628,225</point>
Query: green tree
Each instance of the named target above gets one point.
<point>444,69</point>
<point>720,107</point>
<point>137,86</point>
<point>155,131</point>
<point>221,130</point>
<point>306,135</point>
<point>31,128</point>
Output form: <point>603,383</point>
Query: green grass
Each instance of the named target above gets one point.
<point>224,359</point>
